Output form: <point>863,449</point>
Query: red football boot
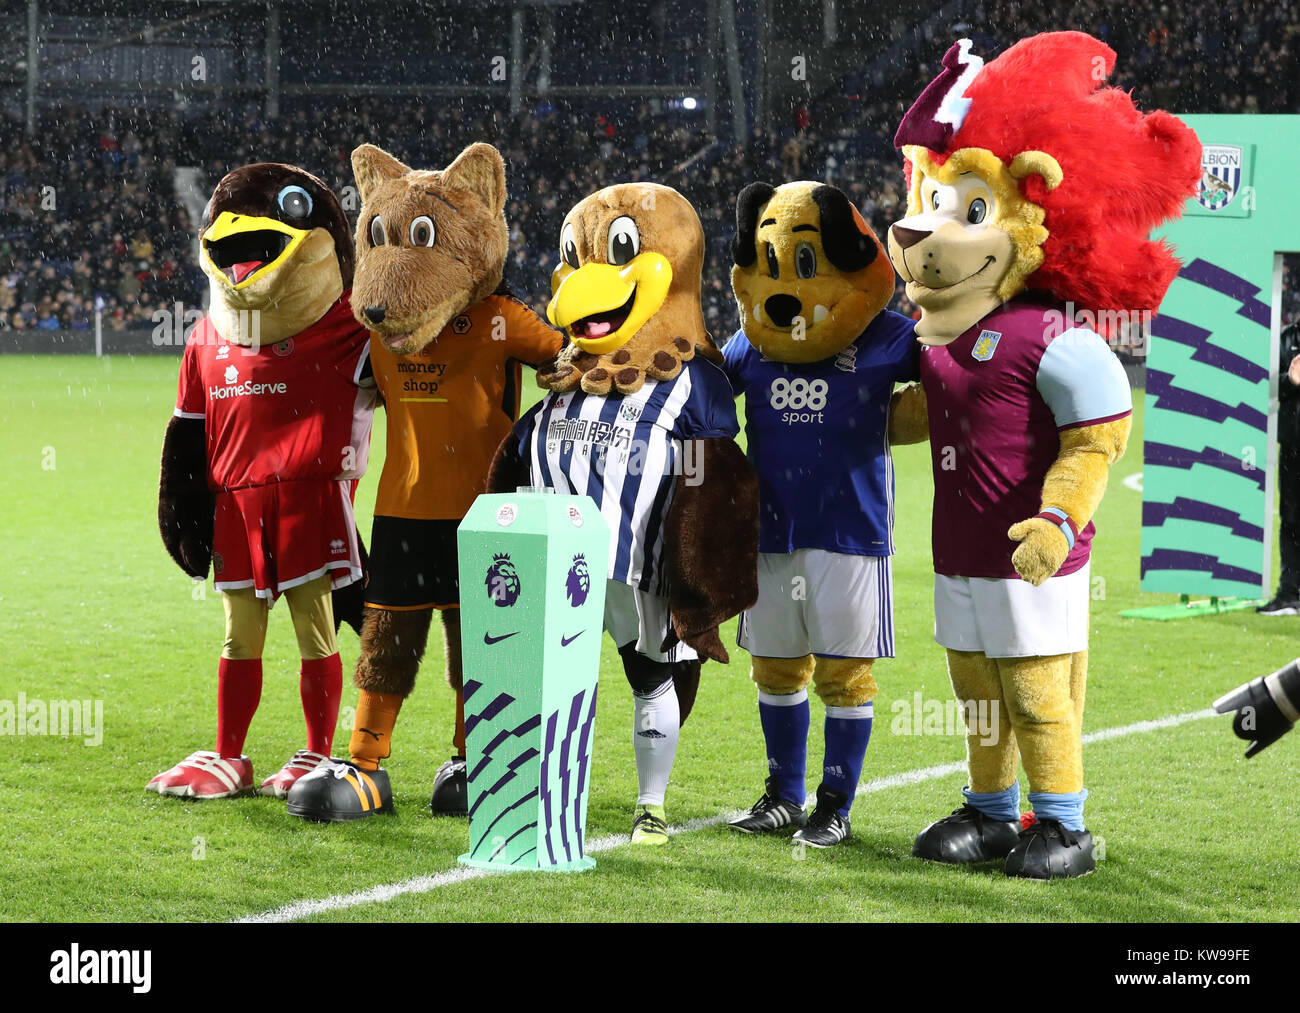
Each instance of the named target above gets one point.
<point>303,762</point>
<point>205,775</point>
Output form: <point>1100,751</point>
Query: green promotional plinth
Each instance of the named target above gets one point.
<point>532,579</point>
<point>1186,608</point>
<point>1209,474</point>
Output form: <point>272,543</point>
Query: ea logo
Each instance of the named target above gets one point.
<point>575,516</point>
<point>502,581</point>
<point>506,514</point>
<point>461,324</point>
<point>578,584</point>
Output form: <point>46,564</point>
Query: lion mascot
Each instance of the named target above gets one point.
<point>1032,192</point>
<point>817,358</point>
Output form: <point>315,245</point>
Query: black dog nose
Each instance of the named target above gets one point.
<point>906,237</point>
<point>376,314</point>
<point>782,309</point>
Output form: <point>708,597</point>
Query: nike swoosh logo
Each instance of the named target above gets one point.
<point>566,641</point>
<point>489,640</point>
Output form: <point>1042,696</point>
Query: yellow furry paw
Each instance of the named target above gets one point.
<point>1042,549</point>
<point>908,421</point>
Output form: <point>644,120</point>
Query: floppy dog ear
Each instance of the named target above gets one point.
<point>846,237</point>
<point>748,204</point>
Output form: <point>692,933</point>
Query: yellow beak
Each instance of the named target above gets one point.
<point>232,256</point>
<point>602,306</point>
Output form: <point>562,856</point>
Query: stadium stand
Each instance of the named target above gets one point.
<point>119,238</point>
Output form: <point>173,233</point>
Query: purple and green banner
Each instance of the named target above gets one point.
<point>1211,395</point>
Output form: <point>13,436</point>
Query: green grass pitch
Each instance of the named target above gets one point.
<point>92,608</point>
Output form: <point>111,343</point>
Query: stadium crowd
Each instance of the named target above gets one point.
<point>89,217</point>
<point>89,221</point>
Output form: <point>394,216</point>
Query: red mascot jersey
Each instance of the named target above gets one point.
<point>288,434</point>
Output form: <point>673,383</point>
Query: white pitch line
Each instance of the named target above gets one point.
<point>424,884</point>
<point>1141,727</point>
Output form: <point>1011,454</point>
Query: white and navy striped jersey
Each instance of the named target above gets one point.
<point>625,452</point>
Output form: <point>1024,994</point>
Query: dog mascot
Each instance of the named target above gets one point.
<point>641,418</point>
<point>817,358</point>
<point>1030,185</point>
<point>260,462</point>
<point>447,346</point>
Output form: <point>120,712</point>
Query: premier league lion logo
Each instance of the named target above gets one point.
<point>502,581</point>
<point>578,584</point>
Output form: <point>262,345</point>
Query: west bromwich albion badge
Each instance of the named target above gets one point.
<point>1220,180</point>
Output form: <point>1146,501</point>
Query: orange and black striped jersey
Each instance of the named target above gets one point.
<point>451,404</point>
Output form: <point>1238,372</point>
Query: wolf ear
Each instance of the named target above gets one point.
<point>371,166</point>
<point>480,170</point>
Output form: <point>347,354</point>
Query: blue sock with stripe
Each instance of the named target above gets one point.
<point>1066,809</point>
<point>785,719</point>
<point>848,730</point>
<point>1001,805</point>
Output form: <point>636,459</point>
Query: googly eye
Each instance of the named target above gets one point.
<point>773,268</point>
<point>934,200</point>
<point>377,237</point>
<point>295,202</point>
<point>624,241</point>
<point>977,211</point>
<point>805,261</point>
<point>422,231</point>
<point>568,247</point>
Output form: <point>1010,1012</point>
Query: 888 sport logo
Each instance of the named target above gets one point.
<point>798,400</point>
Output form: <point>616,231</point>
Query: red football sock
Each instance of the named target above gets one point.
<point>239,690</point>
<point>321,686</point>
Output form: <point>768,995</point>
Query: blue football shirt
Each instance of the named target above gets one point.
<point>818,438</point>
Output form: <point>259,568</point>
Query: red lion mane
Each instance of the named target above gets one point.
<point>1124,172</point>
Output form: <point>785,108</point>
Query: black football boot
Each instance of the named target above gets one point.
<point>1048,850</point>
<point>825,827</point>
<point>339,792</point>
<point>451,789</point>
<point>967,836</point>
<point>770,813</point>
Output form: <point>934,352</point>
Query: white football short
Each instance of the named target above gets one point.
<point>632,614</point>
<point>1012,618</point>
<point>811,601</point>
